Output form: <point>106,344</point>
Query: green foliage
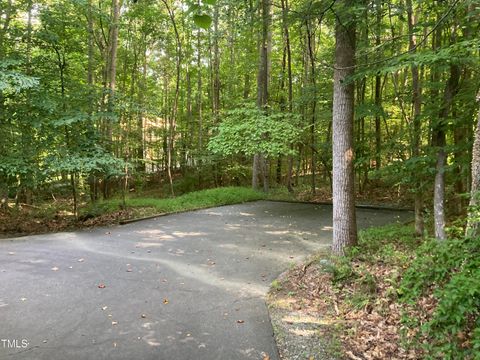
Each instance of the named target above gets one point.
<point>13,81</point>
<point>445,275</point>
<point>85,162</point>
<point>390,243</point>
<point>418,170</point>
<point>342,270</point>
<point>248,130</point>
<point>203,21</point>
<point>276,285</point>
<point>450,269</point>
<point>200,18</point>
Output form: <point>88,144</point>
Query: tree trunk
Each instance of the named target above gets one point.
<point>473,224</point>
<point>141,114</point>
<point>344,218</point>
<point>259,163</point>
<point>417,125</point>
<point>286,36</point>
<point>313,82</point>
<point>378,99</point>
<point>199,92</point>
<point>112,71</point>
<point>173,117</point>
<point>451,88</point>
<point>216,67</point>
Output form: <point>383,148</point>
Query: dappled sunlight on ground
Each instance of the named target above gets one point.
<point>189,274</point>
<point>181,234</point>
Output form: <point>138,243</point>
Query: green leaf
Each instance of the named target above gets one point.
<point>203,21</point>
<point>210,2</point>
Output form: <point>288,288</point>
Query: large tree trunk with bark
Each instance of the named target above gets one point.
<point>473,224</point>
<point>344,219</point>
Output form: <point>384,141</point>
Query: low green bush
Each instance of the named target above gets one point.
<point>450,271</point>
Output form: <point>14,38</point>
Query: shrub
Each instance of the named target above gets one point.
<point>449,270</point>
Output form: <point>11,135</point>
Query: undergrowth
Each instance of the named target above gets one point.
<point>435,284</point>
<point>190,201</point>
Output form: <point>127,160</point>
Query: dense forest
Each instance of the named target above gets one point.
<point>100,97</point>
<point>108,100</point>
<point>104,97</point>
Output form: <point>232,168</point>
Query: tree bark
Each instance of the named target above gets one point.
<point>473,224</point>
<point>174,114</point>
<point>216,66</point>
<point>313,82</point>
<point>199,92</point>
<point>451,88</point>
<point>417,125</point>
<point>378,98</point>
<point>259,163</point>
<point>344,218</point>
<point>288,52</point>
<point>112,70</point>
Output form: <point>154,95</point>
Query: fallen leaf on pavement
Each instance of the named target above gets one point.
<point>240,321</point>
<point>165,301</point>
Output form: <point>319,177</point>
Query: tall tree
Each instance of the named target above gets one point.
<point>417,125</point>
<point>265,47</point>
<point>451,88</point>
<point>473,225</point>
<point>344,218</point>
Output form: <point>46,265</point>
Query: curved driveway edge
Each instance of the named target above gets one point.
<point>183,286</point>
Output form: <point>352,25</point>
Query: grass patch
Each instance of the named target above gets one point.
<point>191,201</point>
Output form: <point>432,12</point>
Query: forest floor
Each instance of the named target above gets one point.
<point>349,306</point>
<point>55,216</point>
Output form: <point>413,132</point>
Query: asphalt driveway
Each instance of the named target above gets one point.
<point>184,286</point>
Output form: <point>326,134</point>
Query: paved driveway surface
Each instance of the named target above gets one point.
<point>184,286</point>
